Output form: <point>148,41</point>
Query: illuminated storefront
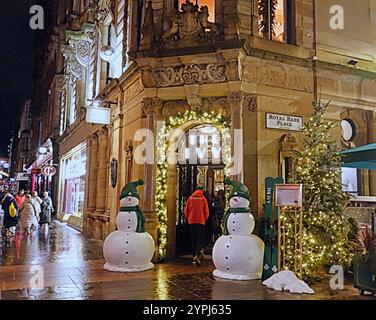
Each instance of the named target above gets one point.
<point>72,181</point>
<point>44,157</point>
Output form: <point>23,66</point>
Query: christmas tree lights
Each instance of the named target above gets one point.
<point>325,227</point>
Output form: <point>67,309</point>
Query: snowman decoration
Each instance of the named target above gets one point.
<point>130,248</point>
<point>238,254</point>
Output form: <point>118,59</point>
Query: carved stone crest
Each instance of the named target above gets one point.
<point>190,26</point>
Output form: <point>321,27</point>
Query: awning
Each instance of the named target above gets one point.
<point>363,157</point>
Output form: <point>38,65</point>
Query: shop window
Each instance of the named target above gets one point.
<point>347,130</point>
<point>201,3</point>
<point>277,20</point>
<point>74,175</point>
<point>350,180</point>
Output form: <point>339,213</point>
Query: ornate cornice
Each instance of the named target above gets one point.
<point>189,74</point>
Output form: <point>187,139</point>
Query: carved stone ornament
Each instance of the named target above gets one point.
<point>288,142</point>
<point>73,67</point>
<point>114,172</point>
<point>82,48</point>
<point>190,27</point>
<point>189,74</point>
<point>250,102</point>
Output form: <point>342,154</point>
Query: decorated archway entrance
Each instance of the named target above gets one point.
<point>170,134</point>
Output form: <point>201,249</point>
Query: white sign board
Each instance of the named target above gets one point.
<point>98,115</point>
<point>284,122</point>
<point>288,195</point>
<point>21,176</point>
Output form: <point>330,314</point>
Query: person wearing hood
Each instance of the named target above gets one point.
<point>29,215</point>
<point>9,206</point>
<point>197,212</point>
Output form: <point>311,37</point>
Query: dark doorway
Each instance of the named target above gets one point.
<point>189,178</point>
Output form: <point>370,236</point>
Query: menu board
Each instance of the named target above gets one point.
<point>288,195</point>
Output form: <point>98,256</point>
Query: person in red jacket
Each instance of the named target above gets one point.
<point>20,198</point>
<point>197,212</point>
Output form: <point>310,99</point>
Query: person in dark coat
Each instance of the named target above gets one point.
<point>209,230</point>
<point>47,211</point>
<point>10,208</point>
<point>219,206</point>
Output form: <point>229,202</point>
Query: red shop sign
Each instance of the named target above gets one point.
<point>48,171</point>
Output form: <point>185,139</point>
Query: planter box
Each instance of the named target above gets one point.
<point>364,279</point>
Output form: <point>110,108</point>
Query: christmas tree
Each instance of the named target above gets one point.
<point>325,227</point>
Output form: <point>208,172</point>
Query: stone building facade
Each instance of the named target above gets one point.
<point>162,61</point>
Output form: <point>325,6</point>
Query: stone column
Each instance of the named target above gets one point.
<point>150,106</point>
<point>236,104</point>
<point>102,171</point>
<point>372,139</point>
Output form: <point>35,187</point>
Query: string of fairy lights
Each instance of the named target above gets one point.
<point>217,120</point>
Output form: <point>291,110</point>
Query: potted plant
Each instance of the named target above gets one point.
<point>365,262</point>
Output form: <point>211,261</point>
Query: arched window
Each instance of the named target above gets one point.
<point>111,41</point>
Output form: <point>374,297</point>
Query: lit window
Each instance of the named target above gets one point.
<point>276,20</point>
<point>201,3</point>
<point>348,130</point>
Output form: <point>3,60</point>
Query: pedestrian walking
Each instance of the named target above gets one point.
<point>197,212</point>
<point>20,197</point>
<point>37,202</point>
<point>9,206</point>
<point>29,218</point>
<point>47,211</point>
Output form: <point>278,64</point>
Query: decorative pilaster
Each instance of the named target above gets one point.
<point>102,171</point>
<point>236,103</point>
<point>150,109</point>
<point>93,170</point>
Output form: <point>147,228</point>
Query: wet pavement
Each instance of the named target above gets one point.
<point>65,265</point>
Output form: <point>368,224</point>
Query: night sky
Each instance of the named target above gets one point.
<point>16,64</point>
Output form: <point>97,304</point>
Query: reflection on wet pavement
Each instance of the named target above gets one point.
<point>65,265</point>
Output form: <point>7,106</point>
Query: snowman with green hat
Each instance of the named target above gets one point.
<point>130,248</point>
<point>238,254</point>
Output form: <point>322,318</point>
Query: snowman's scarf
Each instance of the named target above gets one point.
<point>130,209</point>
<point>238,210</point>
<point>227,215</point>
<point>140,217</point>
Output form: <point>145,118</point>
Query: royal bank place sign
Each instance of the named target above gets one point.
<point>283,122</point>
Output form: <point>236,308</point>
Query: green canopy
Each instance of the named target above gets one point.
<point>363,157</point>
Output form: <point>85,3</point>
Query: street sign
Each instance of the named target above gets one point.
<point>48,171</point>
<point>283,122</point>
